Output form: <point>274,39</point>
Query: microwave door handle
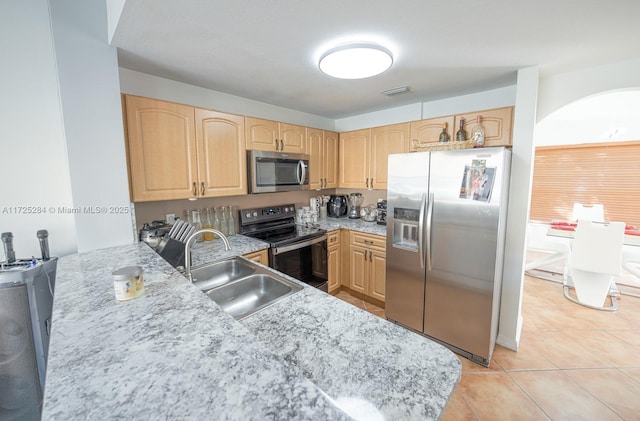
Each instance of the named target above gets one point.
<point>301,173</point>
<point>421,230</point>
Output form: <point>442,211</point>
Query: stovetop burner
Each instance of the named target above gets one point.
<point>276,225</point>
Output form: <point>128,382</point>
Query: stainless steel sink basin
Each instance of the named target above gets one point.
<point>247,295</point>
<point>220,273</point>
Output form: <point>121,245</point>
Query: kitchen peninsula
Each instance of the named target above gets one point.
<point>174,354</point>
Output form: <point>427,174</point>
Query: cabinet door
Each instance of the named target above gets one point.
<point>261,134</point>
<point>385,140</point>
<point>334,267</point>
<point>162,149</point>
<point>222,162</point>
<point>315,148</point>
<point>497,125</point>
<point>359,264</point>
<point>293,138</point>
<point>259,256</point>
<point>377,275</point>
<point>428,131</point>
<point>330,160</point>
<point>354,159</point>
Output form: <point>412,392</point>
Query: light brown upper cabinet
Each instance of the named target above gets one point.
<point>222,162</point>
<point>497,124</point>
<point>386,140</point>
<point>322,147</point>
<point>176,151</point>
<point>267,135</point>
<point>428,131</point>
<point>364,153</point>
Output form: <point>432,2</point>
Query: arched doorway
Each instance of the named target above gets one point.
<point>588,152</point>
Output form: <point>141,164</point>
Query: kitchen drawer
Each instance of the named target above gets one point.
<point>333,238</point>
<point>368,240</point>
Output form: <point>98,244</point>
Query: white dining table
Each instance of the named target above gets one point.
<point>629,240</point>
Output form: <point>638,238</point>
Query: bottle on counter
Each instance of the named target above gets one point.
<point>461,134</point>
<point>216,220</point>
<point>206,223</point>
<point>477,133</point>
<point>231,222</point>
<point>197,222</point>
<point>444,136</point>
<point>224,228</point>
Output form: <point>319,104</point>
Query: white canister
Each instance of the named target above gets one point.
<point>128,282</point>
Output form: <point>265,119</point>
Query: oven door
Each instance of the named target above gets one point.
<point>305,261</point>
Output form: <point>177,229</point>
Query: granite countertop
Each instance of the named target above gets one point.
<point>331,224</point>
<point>174,354</point>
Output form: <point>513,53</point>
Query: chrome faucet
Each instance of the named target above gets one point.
<point>189,242</point>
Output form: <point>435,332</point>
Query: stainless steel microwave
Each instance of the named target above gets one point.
<point>270,172</point>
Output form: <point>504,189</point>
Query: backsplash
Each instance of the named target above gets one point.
<point>157,211</point>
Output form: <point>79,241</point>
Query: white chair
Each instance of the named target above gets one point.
<point>555,248</point>
<point>594,212</point>
<point>595,258</point>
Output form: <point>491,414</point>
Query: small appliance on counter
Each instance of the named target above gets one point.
<point>381,219</point>
<point>356,200</point>
<point>337,206</point>
<point>152,233</point>
<point>369,213</point>
<point>26,299</point>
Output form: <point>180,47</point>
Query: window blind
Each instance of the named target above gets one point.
<point>606,173</point>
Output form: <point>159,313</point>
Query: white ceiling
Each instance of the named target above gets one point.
<point>268,50</point>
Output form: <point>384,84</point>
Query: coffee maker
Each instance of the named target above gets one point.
<point>356,200</point>
<point>337,206</point>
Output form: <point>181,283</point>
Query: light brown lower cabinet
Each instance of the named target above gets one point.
<point>367,264</point>
<point>334,260</point>
<point>260,256</point>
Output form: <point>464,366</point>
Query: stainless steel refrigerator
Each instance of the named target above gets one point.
<point>446,219</point>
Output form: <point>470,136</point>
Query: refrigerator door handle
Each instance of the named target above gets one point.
<point>421,230</point>
<point>429,220</point>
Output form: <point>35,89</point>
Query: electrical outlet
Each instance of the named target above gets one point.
<point>170,218</point>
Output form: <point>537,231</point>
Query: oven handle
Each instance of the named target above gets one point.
<point>295,246</point>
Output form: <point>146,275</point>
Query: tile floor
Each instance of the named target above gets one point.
<point>574,363</point>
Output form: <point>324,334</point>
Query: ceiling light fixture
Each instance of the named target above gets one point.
<point>356,60</point>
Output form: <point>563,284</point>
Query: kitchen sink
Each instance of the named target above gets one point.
<point>220,273</point>
<point>247,295</point>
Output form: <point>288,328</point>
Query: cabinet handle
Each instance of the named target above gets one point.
<point>370,256</point>
<point>202,188</point>
<point>368,242</point>
<point>367,183</point>
<point>324,182</point>
<point>372,183</point>
<point>277,145</point>
<point>195,189</point>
